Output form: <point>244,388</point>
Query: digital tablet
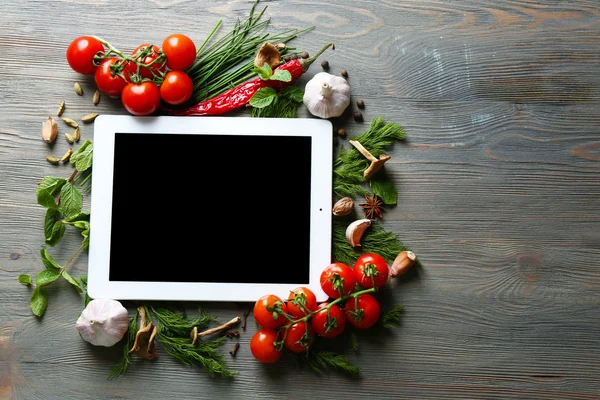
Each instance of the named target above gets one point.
<point>209,208</point>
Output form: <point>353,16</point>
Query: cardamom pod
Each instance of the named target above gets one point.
<point>78,89</point>
<point>61,109</point>
<point>69,138</point>
<point>96,98</point>
<point>49,130</point>
<point>52,160</point>
<point>71,122</point>
<point>67,155</point>
<point>76,135</point>
<point>89,118</point>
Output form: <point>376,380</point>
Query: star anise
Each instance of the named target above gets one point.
<point>373,207</point>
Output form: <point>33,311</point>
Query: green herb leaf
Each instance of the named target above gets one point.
<point>72,281</point>
<point>45,199</point>
<point>85,225</point>
<point>281,75</point>
<point>81,158</point>
<point>324,360</point>
<point>56,234</point>
<point>82,216</point>
<point>48,260</point>
<point>71,200</point>
<point>123,365</point>
<point>385,189</point>
<point>87,298</point>
<point>25,279</point>
<point>51,184</point>
<point>263,97</point>
<point>39,301</point>
<point>46,277</point>
<point>292,92</point>
<point>264,73</point>
<point>86,238</point>
<point>391,317</point>
<point>49,220</point>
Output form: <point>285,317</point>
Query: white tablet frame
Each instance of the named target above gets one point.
<point>105,128</point>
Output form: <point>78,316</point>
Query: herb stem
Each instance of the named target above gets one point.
<point>71,259</point>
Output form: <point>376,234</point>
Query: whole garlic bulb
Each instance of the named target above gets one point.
<point>326,95</point>
<point>103,322</point>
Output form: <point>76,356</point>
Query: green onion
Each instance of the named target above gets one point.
<point>228,61</point>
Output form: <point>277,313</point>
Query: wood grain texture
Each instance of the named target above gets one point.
<point>498,195</point>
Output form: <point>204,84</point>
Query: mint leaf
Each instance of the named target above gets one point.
<point>48,260</point>
<point>45,199</point>
<point>52,184</point>
<point>292,92</point>
<point>71,200</point>
<point>384,189</point>
<point>56,234</point>
<point>49,221</point>
<point>39,301</point>
<point>281,75</point>
<point>85,225</point>
<point>81,158</point>
<point>72,281</point>
<point>82,216</point>
<point>86,238</point>
<point>263,97</point>
<point>264,73</point>
<point>25,279</point>
<point>46,277</point>
<point>87,298</point>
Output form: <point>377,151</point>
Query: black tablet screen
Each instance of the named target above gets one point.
<point>211,208</point>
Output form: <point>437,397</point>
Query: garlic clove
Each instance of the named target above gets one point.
<point>49,130</point>
<point>402,263</point>
<point>103,322</point>
<point>355,231</point>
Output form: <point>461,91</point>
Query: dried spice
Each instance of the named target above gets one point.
<point>78,88</point>
<point>373,207</point>
<point>89,118</point>
<point>70,138</point>
<point>66,156</point>
<point>76,134</point>
<point>96,98</point>
<point>70,122</point>
<point>52,160</point>
<point>343,207</point>
<point>61,109</point>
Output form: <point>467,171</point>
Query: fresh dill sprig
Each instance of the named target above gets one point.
<point>122,366</point>
<point>321,361</point>
<point>173,335</point>
<point>392,317</point>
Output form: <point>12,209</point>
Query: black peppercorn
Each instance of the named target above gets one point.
<point>360,103</point>
<point>325,64</point>
<point>294,56</point>
<point>341,132</point>
<point>358,117</point>
<point>304,54</point>
<point>345,73</point>
<point>286,58</point>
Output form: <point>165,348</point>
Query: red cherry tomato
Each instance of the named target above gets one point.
<point>81,52</point>
<point>177,88</point>
<point>106,81</point>
<point>337,277</point>
<point>262,346</point>
<point>371,269</point>
<point>180,51</point>
<point>328,323</point>
<point>301,302</point>
<point>146,72</point>
<point>269,318</point>
<point>141,98</point>
<point>300,337</point>
<point>362,312</point>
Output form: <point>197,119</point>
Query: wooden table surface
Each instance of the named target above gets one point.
<point>499,196</point>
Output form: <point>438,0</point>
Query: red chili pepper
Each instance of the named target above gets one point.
<point>240,95</point>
